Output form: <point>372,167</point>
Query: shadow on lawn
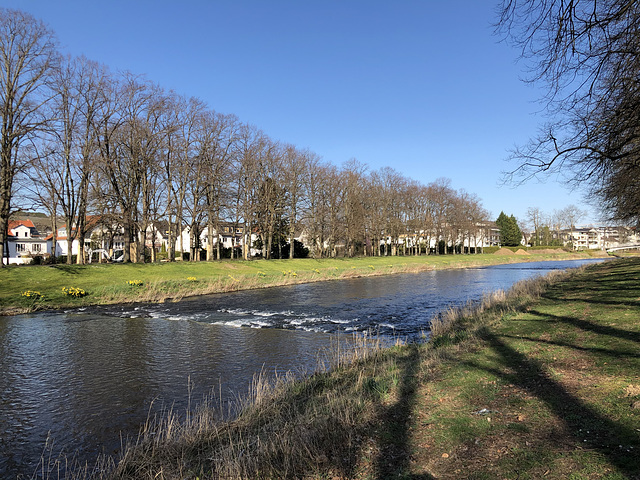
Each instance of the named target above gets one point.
<point>393,441</point>
<point>601,351</point>
<point>603,330</point>
<point>607,436</point>
<point>616,283</point>
<point>70,269</point>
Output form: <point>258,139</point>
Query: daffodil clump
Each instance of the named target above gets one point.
<point>262,274</point>
<point>32,294</point>
<point>372,267</point>
<point>74,292</point>
<point>290,273</point>
<point>192,279</point>
<point>316,270</point>
<point>135,283</point>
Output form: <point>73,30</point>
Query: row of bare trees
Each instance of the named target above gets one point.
<point>546,228</point>
<point>87,141</point>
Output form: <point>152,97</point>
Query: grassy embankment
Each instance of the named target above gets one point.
<point>109,283</point>
<point>542,382</point>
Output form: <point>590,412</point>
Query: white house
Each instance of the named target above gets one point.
<point>62,243</point>
<point>24,243</point>
<point>230,236</point>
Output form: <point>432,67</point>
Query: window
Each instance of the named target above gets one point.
<point>21,247</point>
<point>37,247</point>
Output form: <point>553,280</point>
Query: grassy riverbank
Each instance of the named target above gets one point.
<point>29,288</point>
<point>543,382</point>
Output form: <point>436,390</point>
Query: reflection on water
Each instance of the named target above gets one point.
<point>85,377</point>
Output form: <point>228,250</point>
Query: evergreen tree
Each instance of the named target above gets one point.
<point>510,232</point>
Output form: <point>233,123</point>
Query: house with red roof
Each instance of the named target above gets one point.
<point>24,243</point>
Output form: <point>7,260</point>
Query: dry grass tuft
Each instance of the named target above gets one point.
<point>477,315</point>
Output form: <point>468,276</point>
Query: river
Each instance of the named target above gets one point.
<point>87,378</point>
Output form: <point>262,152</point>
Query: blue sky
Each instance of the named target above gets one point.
<point>421,86</point>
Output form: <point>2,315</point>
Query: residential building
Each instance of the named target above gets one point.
<point>599,237</point>
<point>24,243</point>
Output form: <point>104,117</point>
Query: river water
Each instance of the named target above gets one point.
<point>88,378</point>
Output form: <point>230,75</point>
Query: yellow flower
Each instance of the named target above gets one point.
<point>74,292</point>
<point>32,294</point>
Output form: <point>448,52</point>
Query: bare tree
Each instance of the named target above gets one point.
<point>295,164</point>
<point>193,169</point>
<point>71,144</point>
<point>250,146</point>
<point>587,53</point>
<point>28,56</point>
<point>570,216</point>
<point>535,218</point>
<point>315,218</point>
<point>218,133</point>
<point>353,175</point>
<point>178,125</point>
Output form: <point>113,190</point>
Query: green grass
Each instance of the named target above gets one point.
<point>109,283</point>
<point>559,374</point>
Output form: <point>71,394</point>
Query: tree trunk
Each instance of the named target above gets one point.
<point>126,234</point>
<point>171,248</point>
<point>54,235</point>
<point>209,241</point>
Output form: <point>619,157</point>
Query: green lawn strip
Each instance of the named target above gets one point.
<point>552,391</point>
<point>112,283</point>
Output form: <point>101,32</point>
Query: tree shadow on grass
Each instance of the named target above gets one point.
<point>593,327</point>
<point>606,435</point>
<point>615,284</point>
<point>602,351</point>
<point>394,432</point>
<point>600,297</point>
<point>70,269</point>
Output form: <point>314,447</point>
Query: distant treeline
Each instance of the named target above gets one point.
<point>81,140</point>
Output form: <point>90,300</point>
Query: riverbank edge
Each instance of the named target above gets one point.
<point>155,288</point>
<point>423,411</point>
